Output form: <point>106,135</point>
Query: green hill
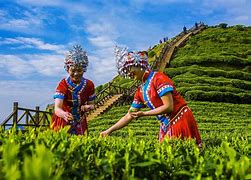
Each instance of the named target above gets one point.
<point>215,65</point>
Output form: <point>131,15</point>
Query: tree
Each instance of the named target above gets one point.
<point>223,25</point>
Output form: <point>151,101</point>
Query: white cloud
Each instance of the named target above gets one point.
<point>10,41</point>
<point>2,13</point>
<point>42,3</point>
<point>99,26</point>
<point>101,66</point>
<point>34,43</point>
<point>23,66</point>
<point>159,2</point>
<point>70,6</point>
<point>47,65</point>
<point>102,35</point>
<point>101,71</point>
<point>241,18</point>
<point>26,21</point>
<point>15,65</point>
<point>102,41</point>
<point>26,65</point>
<point>231,11</point>
<point>18,23</point>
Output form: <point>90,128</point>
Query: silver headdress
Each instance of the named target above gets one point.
<point>76,57</point>
<point>125,60</point>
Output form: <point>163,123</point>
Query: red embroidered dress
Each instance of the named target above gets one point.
<point>179,123</point>
<point>74,96</point>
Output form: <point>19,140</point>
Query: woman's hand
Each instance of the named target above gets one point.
<point>104,133</point>
<point>120,124</point>
<point>67,116</point>
<point>87,107</point>
<point>60,112</point>
<point>137,114</point>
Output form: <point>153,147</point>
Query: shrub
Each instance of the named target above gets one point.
<point>239,27</point>
<point>245,40</point>
<point>99,88</point>
<point>217,96</point>
<point>151,54</point>
<point>223,25</point>
<point>247,69</point>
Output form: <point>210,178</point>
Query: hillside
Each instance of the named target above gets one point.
<point>214,65</point>
<point>214,119</point>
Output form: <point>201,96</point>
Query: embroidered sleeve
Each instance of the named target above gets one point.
<point>92,95</point>
<point>137,101</point>
<point>163,84</point>
<point>60,90</point>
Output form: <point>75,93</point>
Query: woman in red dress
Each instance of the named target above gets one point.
<point>74,95</point>
<point>158,92</point>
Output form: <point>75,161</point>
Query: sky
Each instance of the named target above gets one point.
<point>35,35</point>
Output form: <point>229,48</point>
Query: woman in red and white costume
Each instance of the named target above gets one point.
<point>158,92</point>
<point>74,95</point>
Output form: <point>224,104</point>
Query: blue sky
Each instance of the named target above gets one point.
<point>36,34</point>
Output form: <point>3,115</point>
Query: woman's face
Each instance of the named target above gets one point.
<point>76,74</point>
<point>136,73</point>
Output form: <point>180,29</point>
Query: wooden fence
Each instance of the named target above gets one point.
<point>21,118</point>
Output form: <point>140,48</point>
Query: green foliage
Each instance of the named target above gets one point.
<point>10,160</point>
<point>239,27</point>
<point>155,52</point>
<point>209,71</point>
<point>206,60</point>
<point>99,88</point>
<point>223,25</point>
<point>214,66</point>
<point>151,54</point>
<point>218,96</point>
<point>39,164</point>
<point>122,82</point>
<point>51,155</point>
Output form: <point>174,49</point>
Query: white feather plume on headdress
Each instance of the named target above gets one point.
<point>125,60</point>
<point>121,58</point>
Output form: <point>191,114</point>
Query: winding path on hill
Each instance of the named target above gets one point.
<point>169,52</point>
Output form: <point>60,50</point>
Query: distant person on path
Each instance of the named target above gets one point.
<point>74,95</point>
<point>158,92</point>
<point>185,29</point>
<point>196,25</point>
